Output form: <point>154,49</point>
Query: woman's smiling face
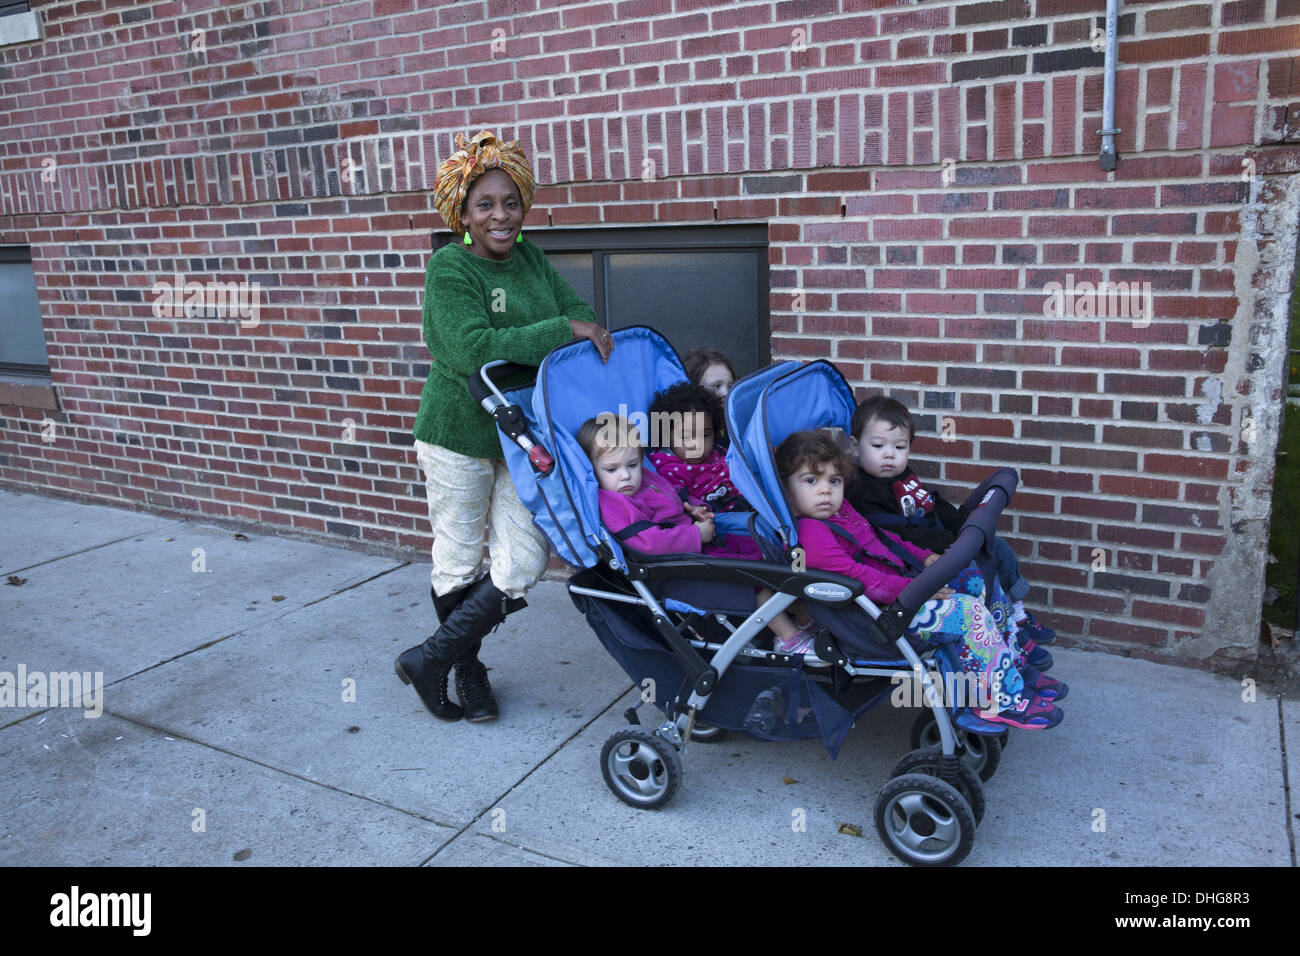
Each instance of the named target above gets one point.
<point>493,214</point>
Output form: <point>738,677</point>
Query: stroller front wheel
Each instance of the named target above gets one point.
<point>641,768</point>
<point>926,761</point>
<point>925,821</point>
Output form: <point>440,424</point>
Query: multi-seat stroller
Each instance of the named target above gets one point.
<point>685,627</point>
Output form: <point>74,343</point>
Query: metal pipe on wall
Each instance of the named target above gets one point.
<point>1107,132</point>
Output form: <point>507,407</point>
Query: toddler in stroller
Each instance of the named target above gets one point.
<point>652,514</point>
<point>835,537</point>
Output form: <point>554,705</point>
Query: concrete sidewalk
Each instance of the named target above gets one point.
<point>229,732</point>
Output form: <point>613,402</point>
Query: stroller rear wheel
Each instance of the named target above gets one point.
<point>924,821</point>
<point>927,761</point>
<point>983,754</point>
<point>641,768</point>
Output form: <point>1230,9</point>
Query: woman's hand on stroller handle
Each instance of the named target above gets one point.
<point>597,335</point>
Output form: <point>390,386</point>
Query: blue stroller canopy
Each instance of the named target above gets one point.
<point>573,385</point>
<point>765,408</point>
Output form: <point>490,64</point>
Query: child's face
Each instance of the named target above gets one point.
<point>815,494</point>
<point>619,470</point>
<point>882,449</point>
<point>693,438</point>
<point>717,380</point>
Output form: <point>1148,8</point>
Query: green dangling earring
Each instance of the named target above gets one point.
<point>519,236</point>
<point>468,240</point>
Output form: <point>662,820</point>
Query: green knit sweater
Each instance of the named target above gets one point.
<point>477,310</point>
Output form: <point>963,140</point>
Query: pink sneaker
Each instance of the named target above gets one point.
<point>1036,714</point>
<point>800,642</point>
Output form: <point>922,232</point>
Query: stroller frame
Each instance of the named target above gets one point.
<point>936,798</point>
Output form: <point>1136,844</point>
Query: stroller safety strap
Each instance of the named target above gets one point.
<point>909,562</point>
<point>636,527</point>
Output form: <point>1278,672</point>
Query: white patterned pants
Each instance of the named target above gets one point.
<point>466,497</point>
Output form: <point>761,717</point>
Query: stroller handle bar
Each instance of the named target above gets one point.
<point>509,418</point>
<point>982,509</point>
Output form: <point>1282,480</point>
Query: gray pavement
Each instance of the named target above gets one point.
<point>251,715</point>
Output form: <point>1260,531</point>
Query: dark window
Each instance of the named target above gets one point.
<point>8,7</point>
<point>22,339</point>
<point>699,286</point>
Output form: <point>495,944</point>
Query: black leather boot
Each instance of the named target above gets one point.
<point>472,686</point>
<point>443,606</point>
<point>473,689</point>
<point>428,666</point>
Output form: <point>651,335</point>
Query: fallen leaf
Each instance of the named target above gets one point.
<point>788,780</point>
<point>242,537</point>
<point>16,581</point>
<point>169,539</point>
<point>354,730</point>
<point>848,829</point>
<point>277,597</point>
<point>243,855</point>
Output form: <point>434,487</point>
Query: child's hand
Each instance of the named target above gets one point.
<point>698,512</point>
<point>707,531</point>
<point>931,559</point>
<point>944,593</point>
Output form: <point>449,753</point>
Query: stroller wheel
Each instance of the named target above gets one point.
<point>983,753</point>
<point>641,768</point>
<point>706,733</point>
<point>924,821</point>
<point>927,761</point>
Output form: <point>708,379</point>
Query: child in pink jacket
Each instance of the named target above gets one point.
<point>647,512</point>
<point>813,470</point>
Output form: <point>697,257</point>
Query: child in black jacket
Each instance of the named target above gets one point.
<point>886,490</point>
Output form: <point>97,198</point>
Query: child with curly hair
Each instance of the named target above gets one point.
<point>813,470</point>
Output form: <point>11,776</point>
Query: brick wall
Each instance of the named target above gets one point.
<point>926,170</point>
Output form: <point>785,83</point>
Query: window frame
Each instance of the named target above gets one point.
<point>22,254</point>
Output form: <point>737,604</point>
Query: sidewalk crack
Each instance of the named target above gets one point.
<point>94,547</point>
<point>514,786</point>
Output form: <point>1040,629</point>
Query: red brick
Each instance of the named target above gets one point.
<point>904,373</point>
<point>1058,381</point>
<point>1170,613</point>
<point>1138,487</point>
<point>1165,49</point>
<point>1088,601</point>
<point>1264,40</point>
<point>1125,631</point>
<point>1200,543</point>
<point>1178,18</point>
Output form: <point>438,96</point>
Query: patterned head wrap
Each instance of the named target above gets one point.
<point>472,159</point>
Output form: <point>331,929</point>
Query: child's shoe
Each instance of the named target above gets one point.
<point>800,642</point>
<point>969,719</point>
<point>1038,633</point>
<point>1037,657</point>
<point>765,715</point>
<point>1048,688</point>
<point>1036,714</point>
